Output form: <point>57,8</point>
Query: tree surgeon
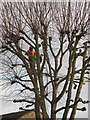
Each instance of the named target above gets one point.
<point>30,53</point>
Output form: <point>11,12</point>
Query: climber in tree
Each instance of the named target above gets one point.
<point>30,53</point>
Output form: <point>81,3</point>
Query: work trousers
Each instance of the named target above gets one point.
<point>32,64</point>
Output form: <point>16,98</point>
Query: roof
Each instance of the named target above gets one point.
<point>17,115</point>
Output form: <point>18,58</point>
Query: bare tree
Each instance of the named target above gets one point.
<point>61,35</point>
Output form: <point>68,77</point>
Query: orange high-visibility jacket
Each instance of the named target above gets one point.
<point>28,53</point>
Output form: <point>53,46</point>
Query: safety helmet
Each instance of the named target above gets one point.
<point>30,48</point>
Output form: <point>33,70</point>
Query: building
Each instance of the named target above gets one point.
<point>21,115</point>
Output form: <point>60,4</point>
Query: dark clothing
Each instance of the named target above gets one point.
<point>40,59</point>
<point>30,54</point>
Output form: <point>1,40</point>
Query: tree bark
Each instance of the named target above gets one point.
<point>80,85</point>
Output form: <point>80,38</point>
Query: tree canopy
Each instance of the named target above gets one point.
<point>57,31</point>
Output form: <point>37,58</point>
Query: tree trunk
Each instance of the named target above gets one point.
<point>37,110</point>
<point>80,85</point>
<point>54,104</point>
